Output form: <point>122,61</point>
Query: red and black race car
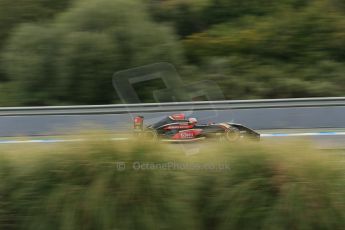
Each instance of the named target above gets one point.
<point>177,128</point>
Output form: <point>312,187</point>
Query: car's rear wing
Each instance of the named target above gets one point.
<point>138,123</point>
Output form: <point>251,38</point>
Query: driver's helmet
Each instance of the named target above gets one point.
<point>192,120</point>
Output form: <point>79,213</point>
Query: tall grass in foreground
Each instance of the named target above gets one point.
<point>136,185</point>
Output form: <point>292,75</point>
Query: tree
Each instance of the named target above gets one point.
<point>72,58</point>
<point>12,14</point>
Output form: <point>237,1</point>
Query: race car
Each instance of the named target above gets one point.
<point>177,128</point>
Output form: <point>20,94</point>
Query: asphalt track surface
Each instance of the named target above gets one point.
<point>321,139</point>
<point>255,118</point>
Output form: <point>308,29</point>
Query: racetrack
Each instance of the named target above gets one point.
<point>318,119</point>
<point>260,119</point>
<point>319,138</point>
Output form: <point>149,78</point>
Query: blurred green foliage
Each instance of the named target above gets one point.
<point>23,11</point>
<point>73,186</point>
<point>72,58</point>
<point>66,52</point>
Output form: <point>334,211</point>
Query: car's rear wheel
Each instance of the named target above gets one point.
<point>151,134</point>
<point>232,134</point>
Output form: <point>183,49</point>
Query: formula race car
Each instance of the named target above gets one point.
<point>177,128</point>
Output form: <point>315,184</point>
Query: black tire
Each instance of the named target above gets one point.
<point>232,134</point>
<point>151,134</point>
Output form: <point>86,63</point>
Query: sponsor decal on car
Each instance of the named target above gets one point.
<point>187,134</point>
<point>170,127</point>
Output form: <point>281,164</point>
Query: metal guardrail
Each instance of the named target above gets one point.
<point>172,106</point>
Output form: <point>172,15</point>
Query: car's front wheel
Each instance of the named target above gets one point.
<point>232,134</point>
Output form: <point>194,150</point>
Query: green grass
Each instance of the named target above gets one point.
<point>81,186</point>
